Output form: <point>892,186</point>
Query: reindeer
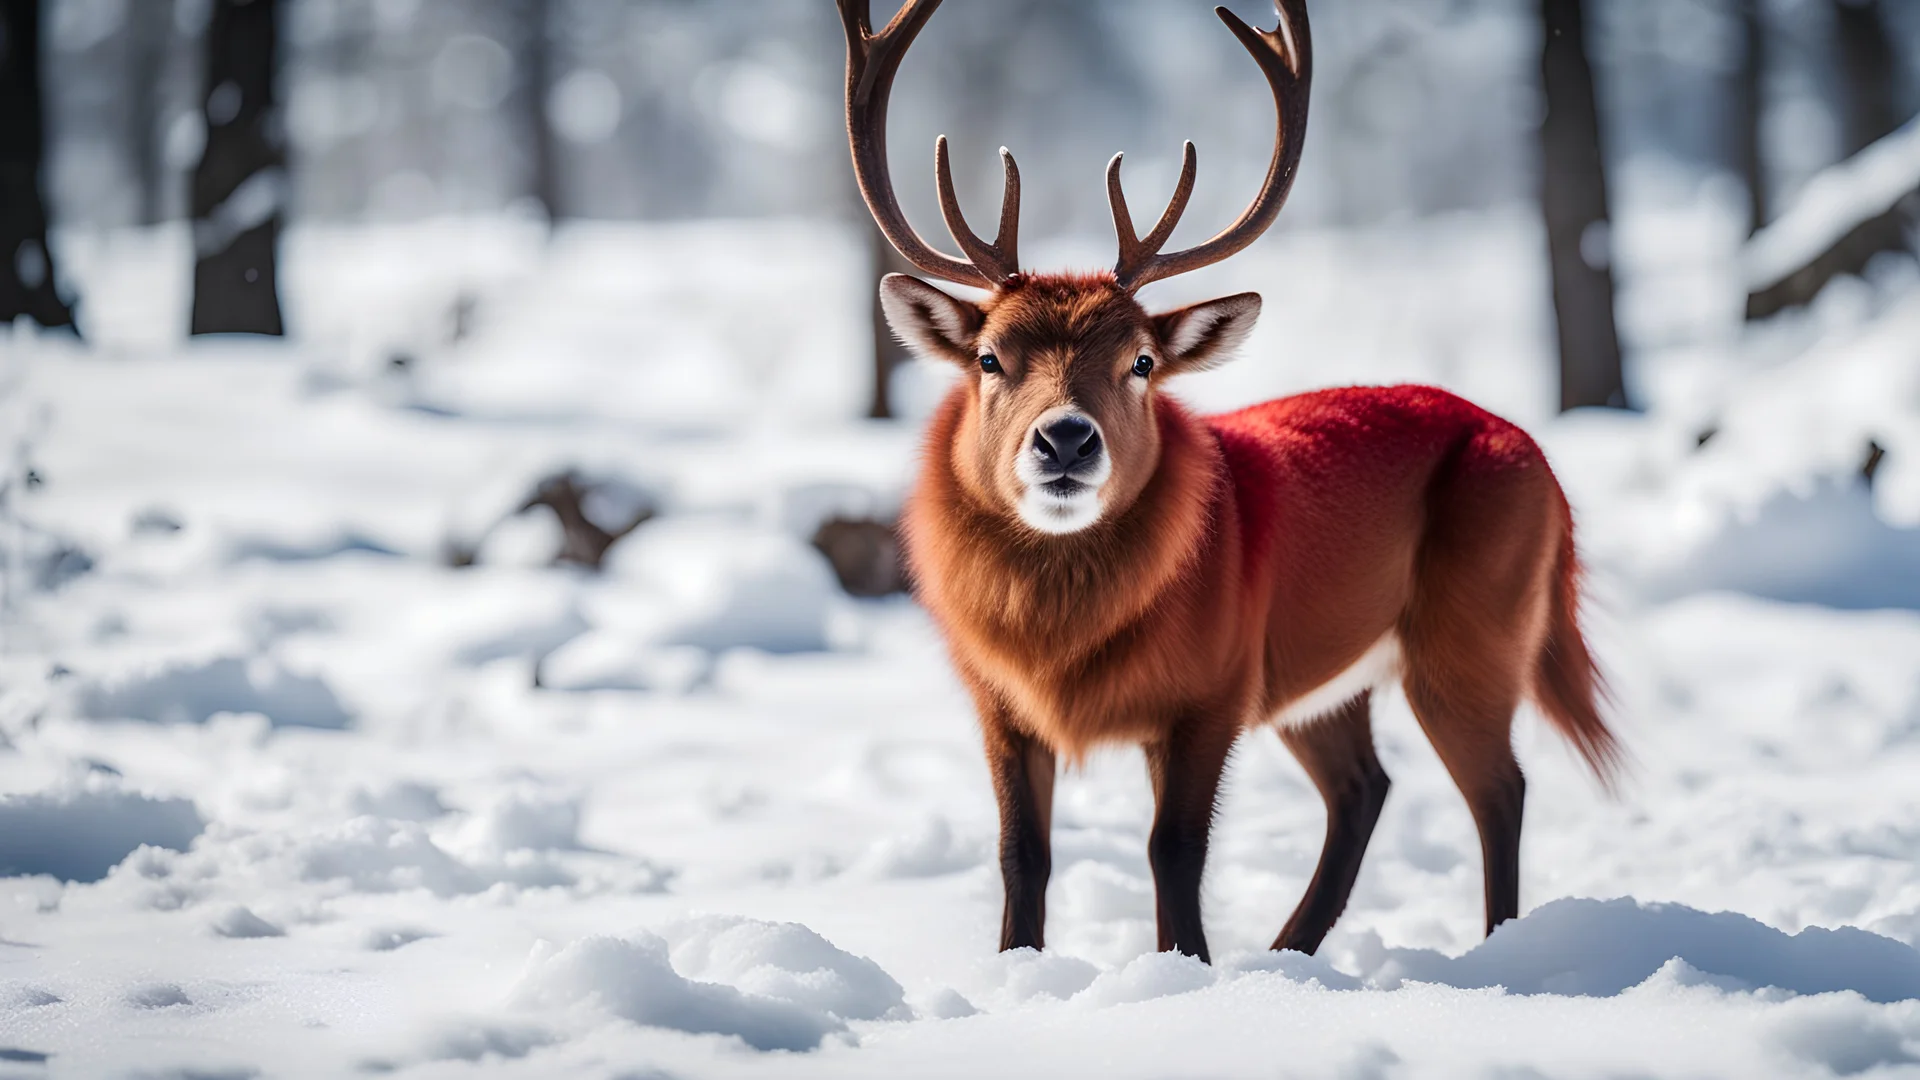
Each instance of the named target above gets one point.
<point>1107,567</point>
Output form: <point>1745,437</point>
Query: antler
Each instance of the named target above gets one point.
<point>1285,54</point>
<point>872,61</point>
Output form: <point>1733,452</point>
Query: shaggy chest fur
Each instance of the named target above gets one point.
<point>1100,636</point>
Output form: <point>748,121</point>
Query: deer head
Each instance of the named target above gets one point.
<point>1061,370</point>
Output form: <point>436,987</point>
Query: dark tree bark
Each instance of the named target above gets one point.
<point>865,555</point>
<point>240,185</point>
<point>1867,71</point>
<point>26,262</point>
<point>1752,107</point>
<point>1573,200</point>
<point>584,541</point>
<point>536,68</point>
<point>888,353</point>
<point>150,34</point>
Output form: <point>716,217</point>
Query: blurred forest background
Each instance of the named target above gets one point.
<point>438,462</point>
<point>242,117</point>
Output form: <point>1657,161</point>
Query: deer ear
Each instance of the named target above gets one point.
<point>931,323</point>
<point>1201,336</point>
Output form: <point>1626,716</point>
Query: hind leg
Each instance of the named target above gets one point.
<point>1337,752</point>
<point>1465,674</point>
<point>1474,631</point>
<point>1475,744</point>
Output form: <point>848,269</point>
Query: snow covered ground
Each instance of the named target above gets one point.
<point>284,794</point>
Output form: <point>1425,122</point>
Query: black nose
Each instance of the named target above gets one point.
<point>1067,442</point>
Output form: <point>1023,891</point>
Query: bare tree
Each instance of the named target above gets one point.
<point>149,40</point>
<point>26,262</point>
<point>240,185</point>
<point>888,353</point>
<point>1867,72</point>
<point>1752,108</point>
<point>1573,200</point>
<point>535,65</point>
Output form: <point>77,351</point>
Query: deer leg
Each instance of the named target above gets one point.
<point>1476,622</point>
<point>1185,768</point>
<point>1023,771</point>
<point>1337,752</point>
<point>1475,743</point>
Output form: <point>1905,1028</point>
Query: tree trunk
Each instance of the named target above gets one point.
<point>1866,73</point>
<point>888,353</point>
<point>1753,73</point>
<point>536,67</point>
<point>1573,200</point>
<point>150,37</point>
<point>240,186</point>
<point>26,262</point>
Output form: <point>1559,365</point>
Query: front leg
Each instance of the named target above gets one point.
<point>1185,767</point>
<point>1023,770</point>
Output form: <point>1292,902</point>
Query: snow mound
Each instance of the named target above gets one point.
<point>402,800</point>
<point>1022,975</point>
<point>80,834</point>
<point>786,962</point>
<point>239,921</point>
<point>189,692</point>
<point>803,508</point>
<point>1825,547</point>
<point>525,819</point>
<point>1153,975</point>
<point>158,996</point>
<point>633,979</point>
<point>1598,948</point>
<point>389,938</point>
<point>929,850</point>
<point>724,587</point>
<point>519,843</point>
<point>28,997</point>
<point>478,1040</point>
<point>509,624</point>
<point>1811,419</point>
<point>611,660</point>
<point>375,855</point>
<point>1839,1035</point>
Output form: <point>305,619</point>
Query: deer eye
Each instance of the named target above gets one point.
<point>1143,365</point>
<point>990,363</point>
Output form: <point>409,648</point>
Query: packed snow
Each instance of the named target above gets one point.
<point>285,792</point>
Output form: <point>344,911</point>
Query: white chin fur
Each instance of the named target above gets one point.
<point>1058,516</point>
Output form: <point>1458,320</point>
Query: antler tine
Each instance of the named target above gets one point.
<point>1133,250</point>
<point>1007,236</point>
<point>1285,56</point>
<point>872,61</point>
<point>999,260</point>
